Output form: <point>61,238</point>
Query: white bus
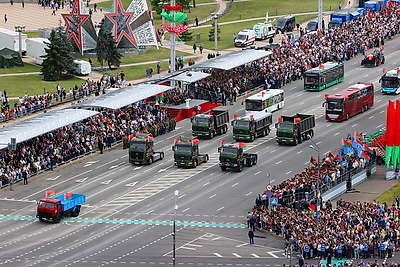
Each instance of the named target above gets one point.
<point>267,101</point>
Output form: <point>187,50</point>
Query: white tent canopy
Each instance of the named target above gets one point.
<point>189,76</point>
<point>126,96</point>
<point>42,124</point>
<point>232,60</point>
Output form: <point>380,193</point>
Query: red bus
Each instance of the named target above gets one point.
<point>349,102</point>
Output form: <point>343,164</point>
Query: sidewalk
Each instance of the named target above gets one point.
<point>371,188</point>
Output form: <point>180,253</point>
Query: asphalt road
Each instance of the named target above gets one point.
<point>127,220</point>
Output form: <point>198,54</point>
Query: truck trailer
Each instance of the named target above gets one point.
<point>61,206</point>
<point>211,123</point>
<point>294,129</point>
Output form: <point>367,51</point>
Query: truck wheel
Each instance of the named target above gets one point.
<point>312,133</point>
<point>264,133</point>
<point>207,158</point>
<point>301,139</point>
<point>211,134</point>
<point>150,161</point>
<point>225,129</point>
<point>223,168</point>
<point>268,131</point>
<point>161,155</point>
<point>57,219</point>
<point>296,141</point>
<point>240,168</point>
<point>254,161</point>
<point>252,138</point>
<point>41,219</point>
<point>76,212</point>
<point>195,163</point>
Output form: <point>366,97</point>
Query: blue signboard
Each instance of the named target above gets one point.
<point>274,201</point>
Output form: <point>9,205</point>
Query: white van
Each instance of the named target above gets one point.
<point>82,67</point>
<point>245,37</point>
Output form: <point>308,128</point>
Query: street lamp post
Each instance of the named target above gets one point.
<point>215,16</point>
<point>316,148</point>
<point>174,228</point>
<point>20,29</point>
<point>320,18</point>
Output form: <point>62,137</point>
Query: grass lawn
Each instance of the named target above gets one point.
<point>389,195</point>
<point>137,72</point>
<point>32,34</point>
<point>258,8</point>
<point>228,32</point>
<point>26,68</point>
<point>33,84</point>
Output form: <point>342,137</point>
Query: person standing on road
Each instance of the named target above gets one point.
<point>194,48</point>
<point>251,237</point>
<point>201,49</point>
<point>196,20</point>
<point>5,18</point>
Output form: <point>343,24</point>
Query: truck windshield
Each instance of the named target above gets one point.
<point>228,151</point>
<point>138,145</point>
<point>285,126</point>
<point>241,37</point>
<point>390,82</point>
<point>183,148</point>
<point>47,205</point>
<point>244,124</point>
<point>203,121</point>
<point>254,105</point>
<point>334,104</point>
<point>280,23</point>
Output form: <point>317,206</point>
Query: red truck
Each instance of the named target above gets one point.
<point>55,208</point>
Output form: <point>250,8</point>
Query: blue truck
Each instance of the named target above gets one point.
<point>53,209</point>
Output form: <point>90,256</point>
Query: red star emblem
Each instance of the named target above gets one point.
<point>121,20</point>
<point>74,23</point>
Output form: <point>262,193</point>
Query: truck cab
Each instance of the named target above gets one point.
<point>232,156</point>
<point>141,150</point>
<point>50,209</point>
<point>186,152</point>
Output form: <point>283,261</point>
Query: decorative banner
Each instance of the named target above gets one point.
<point>178,17</point>
<point>121,23</point>
<point>178,29</point>
<point>173,8</point>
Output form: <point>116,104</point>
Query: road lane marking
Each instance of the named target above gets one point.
<point>218,255</point>
<point>249,193</point>
<point>235,184</point>
<point>279,162</point>
<point>220,208</point>
<point>236,255</point>
<point>273,255</point>
<point>213,196</point>
<point>255,255</point>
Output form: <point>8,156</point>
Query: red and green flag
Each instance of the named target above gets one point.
<point>390,133</point>
<point>347,143</point>
<point>195,142</point>
<point>321,67</point>
<point>67,196</point>
<point>358,136</point>
<point>50,193</point>
<point>365,155</point>
<point>241,145</point>
<point>369,15</point>
<point>308,66</point>
<point>151,139</point>
<point>313,161</point>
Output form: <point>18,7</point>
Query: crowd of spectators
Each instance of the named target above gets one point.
<point>345,230</point>
<point>61,145</point>
<point>288,62</point>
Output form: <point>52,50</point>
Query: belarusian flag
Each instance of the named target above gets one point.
<point>390,133</point>
<point>67,196</point>
<point>50,193</point>
<point>365,155</point>
<point>358,136</point>
<point>369,16</point>
<point>313,209</point>
<point>195,142</point>
<point>313,161</point>
<point>321,66</point>
<point>151,139</point>
<point>241,145</point>
<point>308,66</point>
<point>347,143</point>
<point>176,140</point>
<point>396,148</point>
<point>367,148</point>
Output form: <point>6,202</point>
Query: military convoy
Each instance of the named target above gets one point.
<point>232,156</point>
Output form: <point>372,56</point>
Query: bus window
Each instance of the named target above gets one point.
<point>311,80</point>
<point>334,104</point>
<point>254,105</point>
<point>390,82</point>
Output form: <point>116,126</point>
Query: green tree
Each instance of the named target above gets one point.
<point>106,50</point>
<point>187,35</point>
<point>58,59</point>
<point>211,36</point>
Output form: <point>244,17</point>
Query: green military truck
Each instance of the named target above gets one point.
<point>141,150</point>
<point>251,126</point>
<point>186,152</point>
<point>232,156</point>
<point>210,124</point>
<point>295,129</point>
